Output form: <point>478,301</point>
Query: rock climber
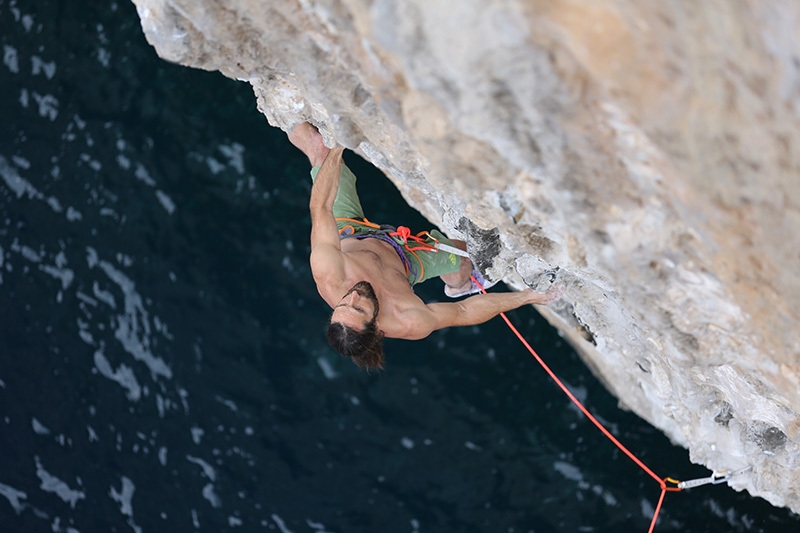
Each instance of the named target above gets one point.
<point>366,272</point>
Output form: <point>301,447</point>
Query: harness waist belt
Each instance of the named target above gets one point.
<point>383,235</point>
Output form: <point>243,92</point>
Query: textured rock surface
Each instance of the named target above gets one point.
<point>648,151</point>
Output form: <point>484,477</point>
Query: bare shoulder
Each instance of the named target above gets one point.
<point>418,321</point>
<point>326,260</point>
<point>328,268</point>
<point>411,323</point>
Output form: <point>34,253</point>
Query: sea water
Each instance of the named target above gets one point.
<point>162,359</point>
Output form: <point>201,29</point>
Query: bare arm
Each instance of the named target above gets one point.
<point>323,194</point>
<point>474,310</point>
<point>327,264</point>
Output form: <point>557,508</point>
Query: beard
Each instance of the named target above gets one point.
<point>364,289</point>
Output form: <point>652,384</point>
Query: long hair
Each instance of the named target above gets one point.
<point>364,347</point>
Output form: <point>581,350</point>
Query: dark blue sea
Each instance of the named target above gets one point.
<point>162,359</point>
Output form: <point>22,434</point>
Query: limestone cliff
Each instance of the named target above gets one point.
<point>647,152</point>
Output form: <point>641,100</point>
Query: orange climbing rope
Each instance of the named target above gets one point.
<point>661,482</point>
<point>359,221</point>
<point>420,238</point>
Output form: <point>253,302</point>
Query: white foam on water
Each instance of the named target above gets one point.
<point>472,446</point>
<point>21,162</point>
<point>227,403</point>
<point>124,496</point>
<point>86,299</point>
<point>165,201</point>
<point>66,275</point>
<point>210,495</point>
<point>14,497</point>
<point>214,166</point>
<point>317,526</point>
<point>104,56</point>
<point>571,472</point>
<point>208,470</point>
<point>51,483</point>
<point>123,162</point>
<point>27,252</point>
<point>133,326</point>
<point>124,259</point>
<point>38,427</point>
<point>103,295</point>
<point>123,375</point>
<point>93,163</point>
<point>48,105</point>
<point>184,395</point>
<point>608,498</point>
<point>91,257</point>
<point>161,405</point>
<point>142,174</point>
<point>197,434</point>
<point>568,470</point>
<point>40,66</point>
<point>235,155</point>
<point>647,509</point>
<point>20,186</point>
<point>280,523</point>
<point>327,369</point>
<point>162,328</point>
<point>27,22</point>
<point>11,59</point>
<point>73,214</point>
<point>85,335</point>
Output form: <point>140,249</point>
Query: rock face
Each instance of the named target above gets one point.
<point>647,153</point>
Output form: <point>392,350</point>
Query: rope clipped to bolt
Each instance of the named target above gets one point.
<point>676,486</point>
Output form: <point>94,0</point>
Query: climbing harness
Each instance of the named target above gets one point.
<point>350,229</point>
<point>401,239</point>
<point>715,478</point>
<point>381,232</point>
<point>404,233</point>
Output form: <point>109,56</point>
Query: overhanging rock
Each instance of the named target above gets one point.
<point>650,152</point>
